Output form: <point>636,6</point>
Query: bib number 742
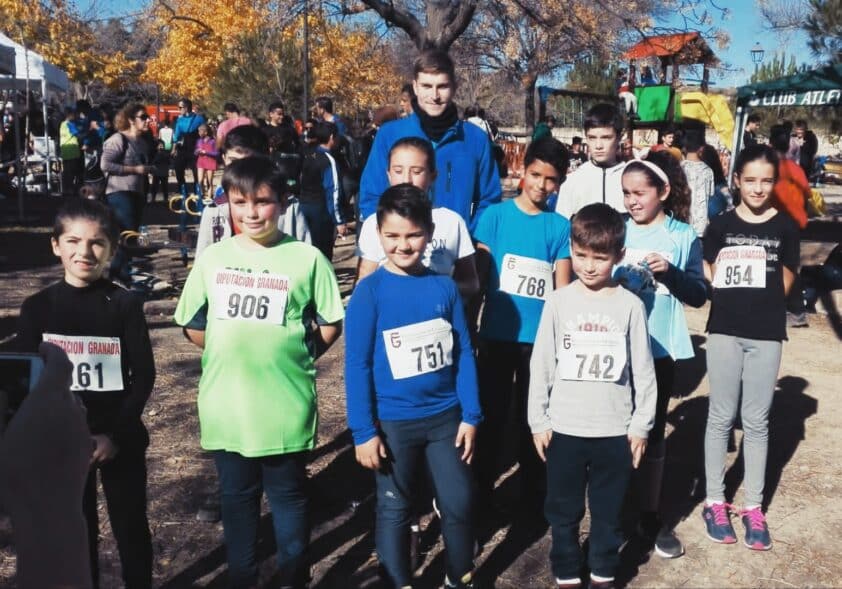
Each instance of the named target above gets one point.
<point>598,367</point>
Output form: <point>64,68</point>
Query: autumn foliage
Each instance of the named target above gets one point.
<point>345,62</point>
<point>51,28</point>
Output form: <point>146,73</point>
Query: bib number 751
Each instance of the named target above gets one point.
<point>430,356</point>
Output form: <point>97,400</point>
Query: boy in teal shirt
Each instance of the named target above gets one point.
<point>262,291</point>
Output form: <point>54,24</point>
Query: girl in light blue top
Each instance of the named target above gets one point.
<point>663,266</point>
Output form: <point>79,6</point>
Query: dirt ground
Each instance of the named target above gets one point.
<point>804,480</point>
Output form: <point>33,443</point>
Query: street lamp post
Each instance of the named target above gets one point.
<point>757,56</point>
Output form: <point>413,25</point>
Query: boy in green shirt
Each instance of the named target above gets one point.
<point>261,291</point>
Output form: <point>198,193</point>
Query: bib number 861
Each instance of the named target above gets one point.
<point>598,366</point>
<point>532,286</point>
<point>737,275</point>
<point>83,375</point>
<point>248,306</point>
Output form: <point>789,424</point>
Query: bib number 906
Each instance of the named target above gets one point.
<point>248,306</point>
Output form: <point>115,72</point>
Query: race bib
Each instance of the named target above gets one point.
<point>526,277</point>
<point>592,356</point>
<point>246,296</point>
<point>741,266</point>
<point>96,361</point>
<point>638,275</point>
<point>419,348</point>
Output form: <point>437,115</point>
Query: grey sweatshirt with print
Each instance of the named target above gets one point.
<point>592,409</point>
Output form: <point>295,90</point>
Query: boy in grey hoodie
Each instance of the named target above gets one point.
<point>589,425</point>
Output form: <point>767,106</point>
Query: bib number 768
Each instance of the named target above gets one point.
<point>531,285</point>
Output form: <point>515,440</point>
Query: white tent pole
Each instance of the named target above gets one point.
<point>737,142</point>
<point>47,140</point>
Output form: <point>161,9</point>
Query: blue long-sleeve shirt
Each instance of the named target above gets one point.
<point>467,182</point>
<point>332,187</point>
<point>394,368</point>
<point>187,124</point>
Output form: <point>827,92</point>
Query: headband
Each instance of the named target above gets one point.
<point>655,168</point>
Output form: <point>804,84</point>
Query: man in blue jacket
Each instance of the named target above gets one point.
<point>467,180</point>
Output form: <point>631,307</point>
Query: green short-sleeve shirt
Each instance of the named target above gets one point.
<point>257,392</point>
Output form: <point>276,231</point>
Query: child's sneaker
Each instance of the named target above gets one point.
<point>466,582</point>
<point>718,523</point>
<point>757,532</point>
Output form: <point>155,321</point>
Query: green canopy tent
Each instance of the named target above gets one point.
<point>819,87</point>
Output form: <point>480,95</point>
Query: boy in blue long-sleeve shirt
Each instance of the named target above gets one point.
<point>468,181</point>
<point>412,388</point>
<point>321,191</point>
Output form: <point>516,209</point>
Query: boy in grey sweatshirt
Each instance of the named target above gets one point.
<point>589,425</point>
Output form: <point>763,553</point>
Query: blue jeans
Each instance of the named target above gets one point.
<point>127,208</point>
<point>322,227</point>
<point>410,441</point>
<point>242,482</point>
<point>603,466</point>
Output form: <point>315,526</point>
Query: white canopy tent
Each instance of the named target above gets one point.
<point>31,71</point>
<point>48,77</point>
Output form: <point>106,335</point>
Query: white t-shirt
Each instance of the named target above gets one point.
<point>451,241</point>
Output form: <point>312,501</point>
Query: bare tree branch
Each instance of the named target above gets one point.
<point>175,16</point>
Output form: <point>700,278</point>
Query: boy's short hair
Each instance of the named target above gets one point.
<point>422,145</point>
<point>550,151</point>
<point>247,138</point>
<point>245,176</point>
<point>407,201</point>
<point>600,228</point>
<point>274,105</point>
<point>324,130</point>
<point>231,107</point>
<point>604,115</point>
<point>779,138</point>
<point>90,210</point>
<point>434,61</point>
<point>693,142</point>
<point>407,88</point>
<point>753,118</point>
<point>325,103</point>
<point>576,140</point>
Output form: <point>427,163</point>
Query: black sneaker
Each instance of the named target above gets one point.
<point>210,511</point>
<point>667,544</point>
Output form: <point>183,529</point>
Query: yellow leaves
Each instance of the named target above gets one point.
<point>197,34</point>
<point>53,30</point>
<point>346,62</point>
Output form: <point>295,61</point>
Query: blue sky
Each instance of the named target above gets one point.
<point>743,25</point>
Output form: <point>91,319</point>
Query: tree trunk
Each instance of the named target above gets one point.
<point>529,81</point>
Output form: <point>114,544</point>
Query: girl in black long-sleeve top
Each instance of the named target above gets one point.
<point>102,328</point>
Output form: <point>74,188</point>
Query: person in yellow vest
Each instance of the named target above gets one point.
<point>72,164</point>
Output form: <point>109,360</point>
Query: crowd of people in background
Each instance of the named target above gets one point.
<point>477,323</point>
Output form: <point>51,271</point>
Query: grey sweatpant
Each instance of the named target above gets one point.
<point>734,361</point>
